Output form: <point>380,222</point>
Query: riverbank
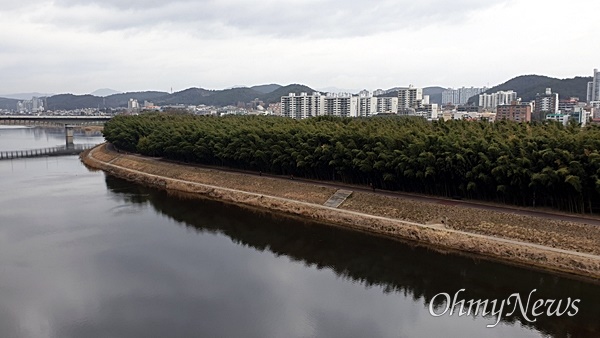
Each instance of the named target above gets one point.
<point>548,244</point>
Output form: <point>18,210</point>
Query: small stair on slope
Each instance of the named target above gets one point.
<point>338,198</point>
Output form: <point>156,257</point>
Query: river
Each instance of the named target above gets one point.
<point>84,254</point>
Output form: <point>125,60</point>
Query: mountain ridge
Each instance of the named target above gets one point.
<point>104,92</point>
<point>190,96</point>
<point>527,86</point>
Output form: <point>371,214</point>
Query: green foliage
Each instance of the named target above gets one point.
<point>541,164</point>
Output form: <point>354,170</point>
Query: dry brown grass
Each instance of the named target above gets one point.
<point>103,156</point>
<point>92,128</point>
<point>558,234</point>
<point>260,185</point>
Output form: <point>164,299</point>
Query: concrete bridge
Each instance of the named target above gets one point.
<point>69,122</point>
<point>53,120</point>
<point>73,149</point>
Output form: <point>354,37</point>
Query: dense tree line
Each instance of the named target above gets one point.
<point>541,164</point>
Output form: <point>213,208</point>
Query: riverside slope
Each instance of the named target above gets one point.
<point>572,251</point>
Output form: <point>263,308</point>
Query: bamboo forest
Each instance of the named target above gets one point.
<point>525,164</point>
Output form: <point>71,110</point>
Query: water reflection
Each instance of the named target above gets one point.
<point>414,272</point>
<point>84,255</point>
<point>13,138</point>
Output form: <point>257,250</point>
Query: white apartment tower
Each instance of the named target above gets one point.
<point>133,104</point>
<point>408,97</point>
<point>546,103</point>
<point>367,104</point>
<point>387,105</point>
<point>460,96</point>
<point>342,104</point>
<point>302,106</point>
<point>491,101</point>
<point>593,89</point>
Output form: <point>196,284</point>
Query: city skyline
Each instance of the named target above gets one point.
<point>77,47</point>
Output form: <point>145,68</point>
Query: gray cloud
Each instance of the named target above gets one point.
<point>137,45</point>
<point>330,18</point>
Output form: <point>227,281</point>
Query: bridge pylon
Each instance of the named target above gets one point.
<point>69,135</point>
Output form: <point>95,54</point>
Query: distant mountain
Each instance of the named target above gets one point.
<point>103,92</point>
<point>435,94</point>
<point>231,96</point>
<point>71,102</point>
<point>527,86</point>
<point>265,89</point>
<point>276,95</point>
<point>121,100</point>
<point>393,92</point>
<point>24,96</point>
<point>7,103</point>
<point>190,96</point>
<point>338,90</point>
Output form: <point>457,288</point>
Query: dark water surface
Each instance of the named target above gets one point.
<point>83,254</point>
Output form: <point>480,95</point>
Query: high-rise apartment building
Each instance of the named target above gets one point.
<point>491,101</point>
<point>546,103</point>
<point>35,105</point>
<point>460,96</point>
<point>593,90</point>
<point>387,105</point>
<point>133,104</point>
<point>343,105</point>
<point>408,97</point>
<point>367,104</point>
<point>302,106</point>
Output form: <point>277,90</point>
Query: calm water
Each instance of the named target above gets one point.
<point>83,254</point>
<point>26,138</point>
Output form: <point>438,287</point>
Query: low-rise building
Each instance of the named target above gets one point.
<point>567,105</point>
<point>562,118</point>
<point>516,111</point>
<point>579,115</point>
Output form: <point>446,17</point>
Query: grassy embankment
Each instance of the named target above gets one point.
<point>465,229</point>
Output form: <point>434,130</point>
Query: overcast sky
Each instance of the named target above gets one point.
<point>78,46</point>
